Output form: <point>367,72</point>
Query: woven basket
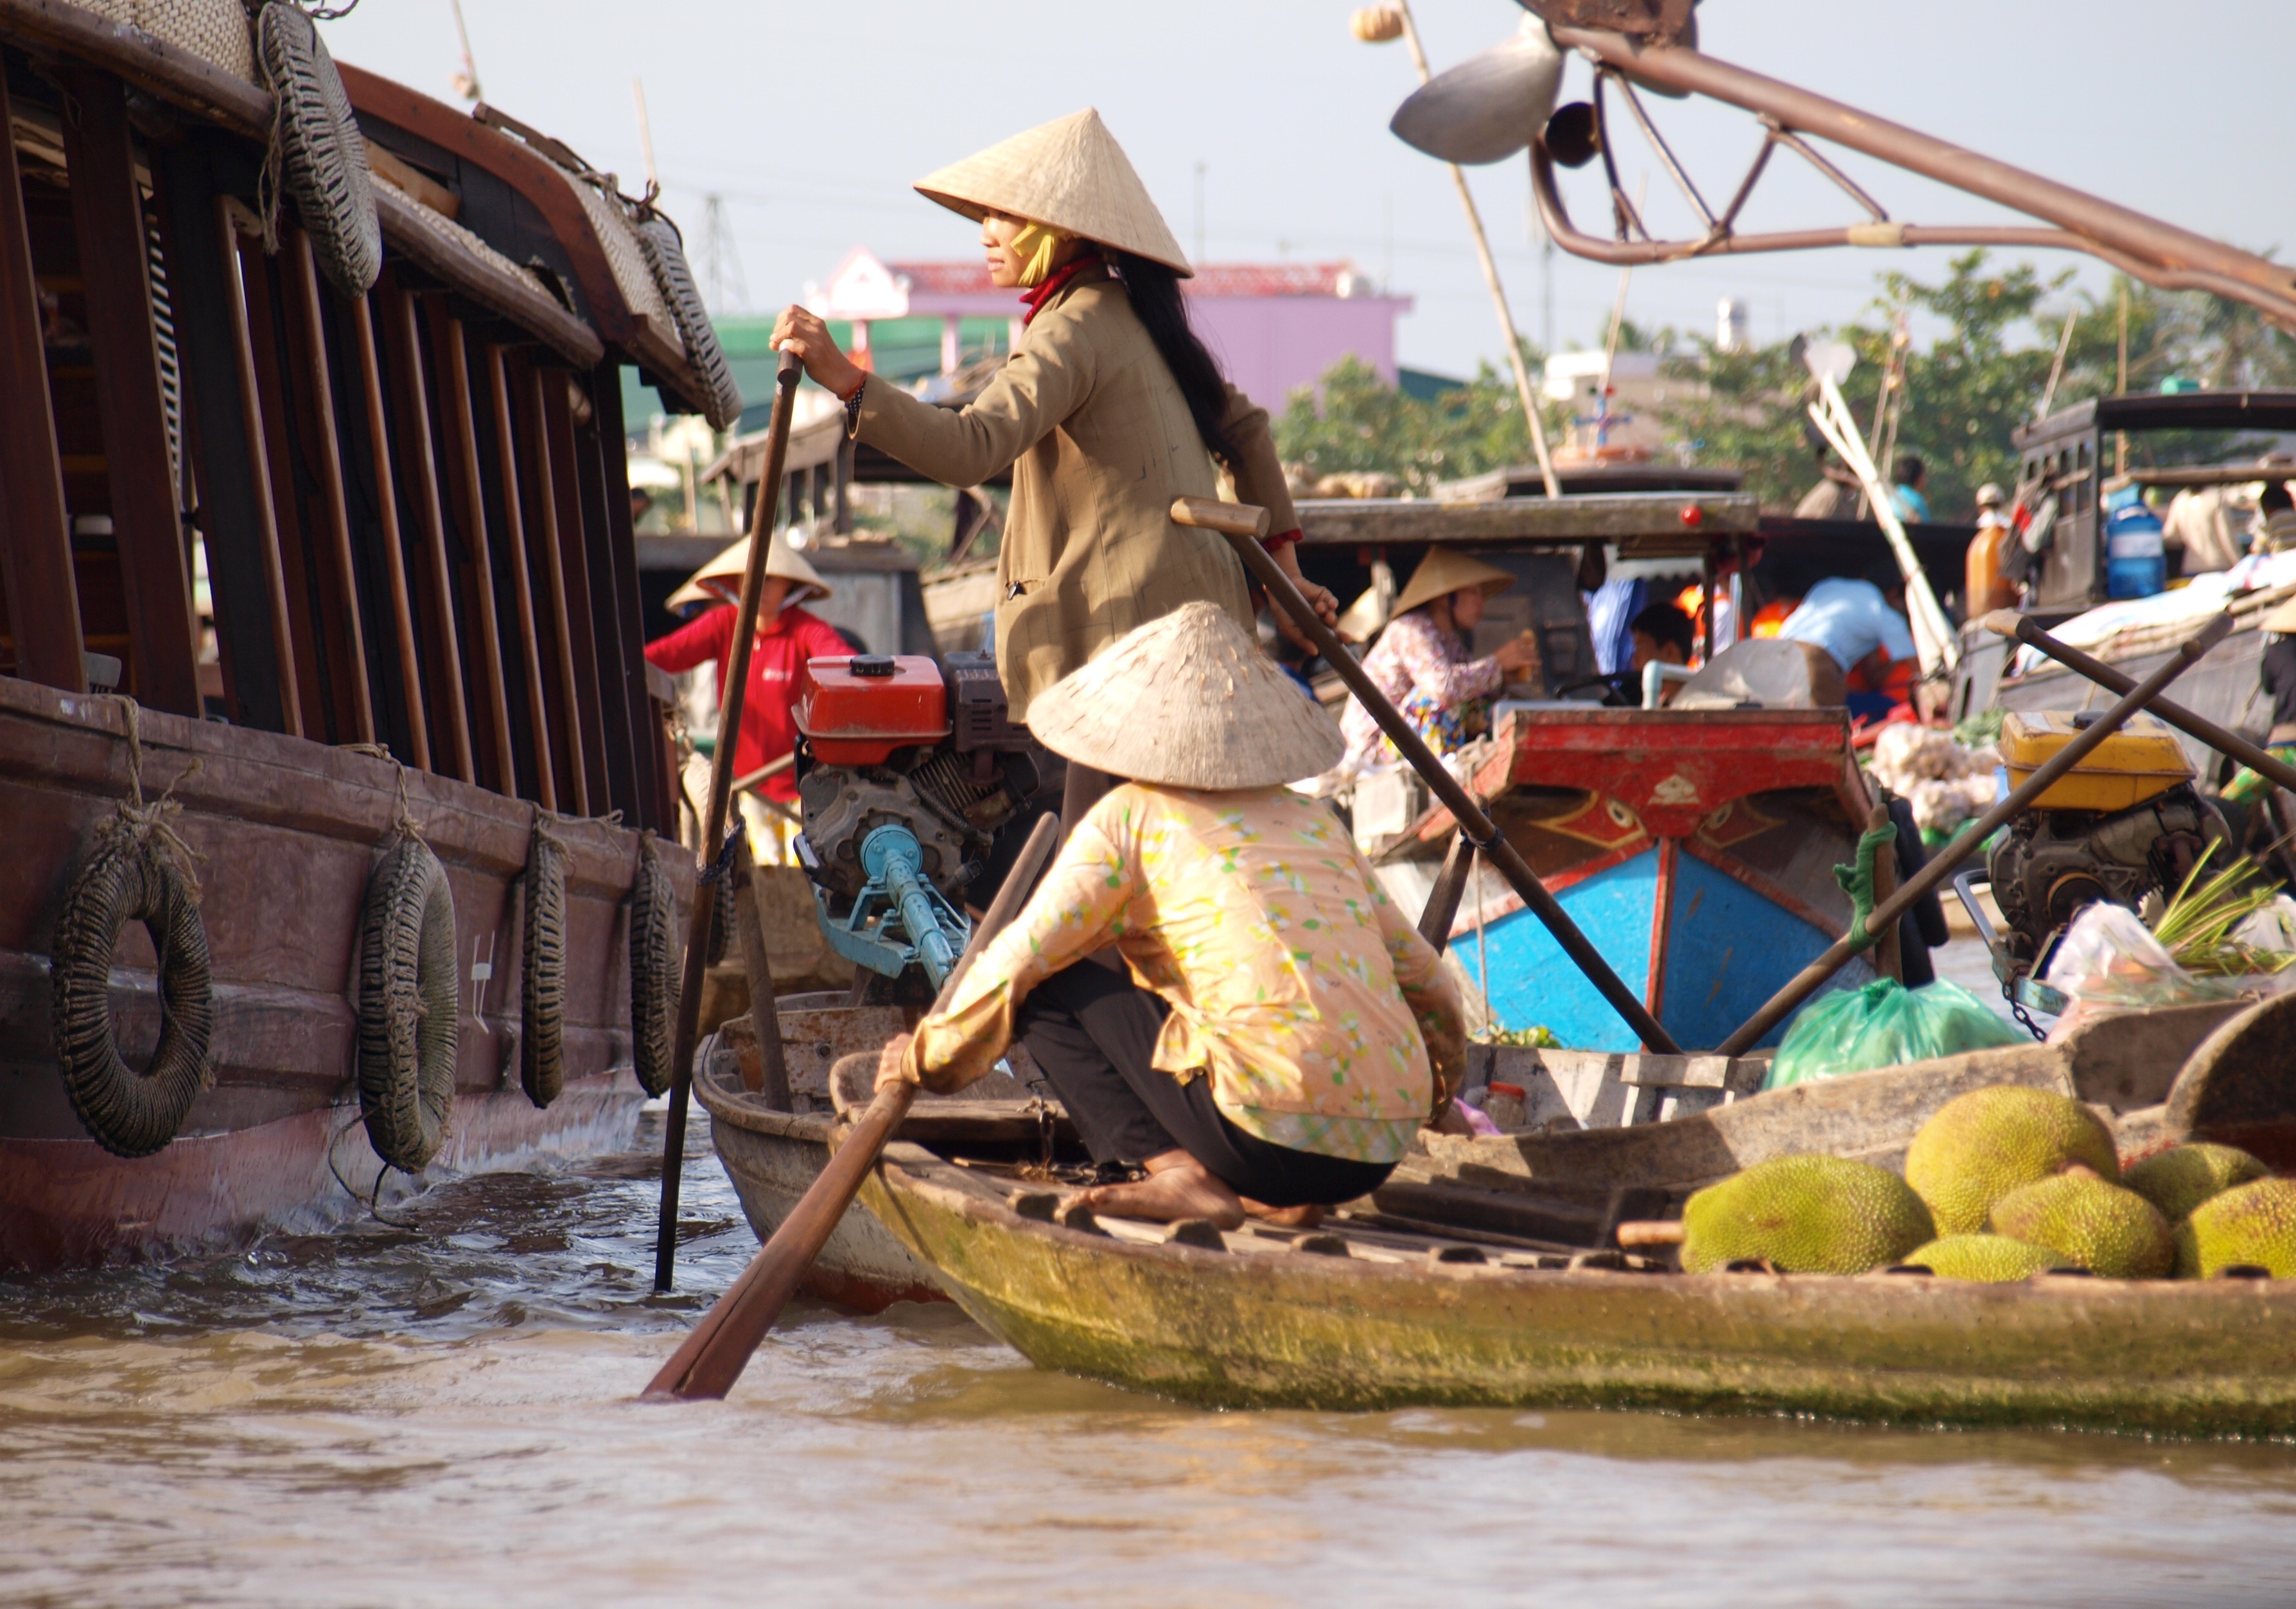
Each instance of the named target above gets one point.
<point>216,31</point>
<point>665,256</point>
<point>624,256</point>
<point>321,155</point>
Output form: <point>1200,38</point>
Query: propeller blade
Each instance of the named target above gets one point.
<point>1488,107</point>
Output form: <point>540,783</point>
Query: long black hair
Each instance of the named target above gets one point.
<point>1155,291</point>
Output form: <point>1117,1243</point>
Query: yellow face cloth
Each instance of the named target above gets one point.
<point>1037,249</point>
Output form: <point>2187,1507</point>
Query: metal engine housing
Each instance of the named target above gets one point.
<point>2050,863</point>
<point>938,794</point>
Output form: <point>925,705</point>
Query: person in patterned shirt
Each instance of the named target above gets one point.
<point>1421,661</point>
<point>1278,1031</point>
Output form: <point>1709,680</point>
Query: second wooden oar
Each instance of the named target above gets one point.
<point>713,831</point>
<point>1243,524</point>
<point>1940,867</point>
<point>718,1349</point>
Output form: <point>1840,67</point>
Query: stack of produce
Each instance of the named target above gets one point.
<point>1945,782</point>
<point>2001,1184</point>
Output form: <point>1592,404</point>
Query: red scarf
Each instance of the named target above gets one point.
<point>1036,300</point>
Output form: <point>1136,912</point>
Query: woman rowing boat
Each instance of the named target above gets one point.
<point>1283,1032</point>
<point>1109,409</point>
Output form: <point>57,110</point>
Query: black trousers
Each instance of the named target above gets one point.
<point>1093,1033</point>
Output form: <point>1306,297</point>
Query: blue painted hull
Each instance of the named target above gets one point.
<point>1728,948</point>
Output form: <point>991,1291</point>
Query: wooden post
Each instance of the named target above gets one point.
<point>107,216</point>
<point>394,551</point>
<point>289,516</point>
<point>306,325</point>
<point>430,549</point>
<point>555,432</point>
<point>35,561</point>
<point>1889,958</point>
<point>654,795</point>
<point>257,465</point>
<point>537,705</point>
<point>765,1016</point>
<point>535,436</point>
<point>458,423</point>
<point>600,491</point>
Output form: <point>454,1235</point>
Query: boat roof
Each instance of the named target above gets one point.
<point>470,206</point>
<point>2150,411</point>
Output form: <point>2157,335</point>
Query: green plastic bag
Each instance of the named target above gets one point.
<point>1881,1025</point>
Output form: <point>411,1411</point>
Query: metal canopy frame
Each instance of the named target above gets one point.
<point>2144,248</point>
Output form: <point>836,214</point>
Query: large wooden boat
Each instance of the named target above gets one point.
<point>407,498</point>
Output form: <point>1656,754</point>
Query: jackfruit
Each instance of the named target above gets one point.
<point>2253,1224</point>
<point>1978,1147</point>
<point>1804,1215</point>
<point>1990,1258</point>
<point>2097,1225</point>
<point>2181,1177</point>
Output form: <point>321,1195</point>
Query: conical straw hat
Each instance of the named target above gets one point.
<point>1070,174</point>
<point>781,560</point>
<point>1443,573</point>
<point>1190,702</point>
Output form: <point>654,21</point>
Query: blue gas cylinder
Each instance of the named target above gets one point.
<point>2136,561</point>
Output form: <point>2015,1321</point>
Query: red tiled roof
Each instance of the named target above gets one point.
<point>1223,280</point>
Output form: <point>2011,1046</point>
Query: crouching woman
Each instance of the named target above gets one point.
<point>1277,1032</point>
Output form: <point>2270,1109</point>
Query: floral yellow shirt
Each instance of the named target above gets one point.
<point>1293,982</point>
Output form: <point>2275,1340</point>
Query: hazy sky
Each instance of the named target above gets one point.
<point>812,121</point>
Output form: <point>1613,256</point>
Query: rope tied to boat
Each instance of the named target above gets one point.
<point>403,823</point>
<point>154,822</point>
<point>1856,881</point>
<point>723,865</point>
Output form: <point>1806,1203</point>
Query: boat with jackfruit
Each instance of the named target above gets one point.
<point>359,880</point>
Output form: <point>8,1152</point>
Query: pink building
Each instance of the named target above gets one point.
<point>1274,326</point>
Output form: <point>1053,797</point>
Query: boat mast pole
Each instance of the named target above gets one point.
<point>1522,388</point>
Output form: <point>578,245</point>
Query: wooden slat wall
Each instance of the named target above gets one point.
<point>649,800</point>
<point>288,510</point>
<point>466,513</point>
<point>342,634</point>
<point>43,597</point>
<point>379,492</point>
<point>418,462</point>
<point>539,714</point>
<point>527,465</point>
<point>108,216</point>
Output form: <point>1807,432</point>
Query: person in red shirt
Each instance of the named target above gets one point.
<point>788,635</point>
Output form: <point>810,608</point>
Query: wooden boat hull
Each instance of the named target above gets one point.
<point>1287,1329</point>
<point>288,830</point>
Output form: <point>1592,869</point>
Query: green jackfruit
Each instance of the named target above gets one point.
<point>2099,1227</point>
<point>1804,1215</point>
<point>1990,1258</point>
<point>2251,1225</point>
<point>1978,1147</point>
<point>2181,1177</point>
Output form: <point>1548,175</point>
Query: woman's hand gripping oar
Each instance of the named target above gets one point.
<point>714,1355</point>
<point>1243,524</point>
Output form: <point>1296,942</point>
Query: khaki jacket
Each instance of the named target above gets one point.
<point>1099,442</point>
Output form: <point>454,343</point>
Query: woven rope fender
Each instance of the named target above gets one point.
<point>409,1003</point>
<point>318,151</point>
<point>665,255</point>
<point>136,873</point>
<point>653,969</point>
<point>542,969</point>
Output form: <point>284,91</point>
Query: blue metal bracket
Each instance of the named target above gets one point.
<point>898,920</point>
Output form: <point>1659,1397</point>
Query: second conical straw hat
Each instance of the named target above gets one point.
<point>1187,700</point>
<point>1070,174</point>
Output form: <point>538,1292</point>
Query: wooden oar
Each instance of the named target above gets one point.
<point>715,1354</point>
<point>1940,866</point>
<point>713,832</point>
<point>1244,524</point>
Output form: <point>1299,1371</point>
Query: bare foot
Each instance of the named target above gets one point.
<point>1289,1218</point>
<point>1169,1194</point>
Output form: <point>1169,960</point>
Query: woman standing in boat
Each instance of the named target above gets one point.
<point>1289,1032</point>
<point>1108,409</point>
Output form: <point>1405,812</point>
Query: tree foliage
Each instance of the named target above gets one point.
<point>1993,332</point>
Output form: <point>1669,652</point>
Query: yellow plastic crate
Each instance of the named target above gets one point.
<point>2136,763</point>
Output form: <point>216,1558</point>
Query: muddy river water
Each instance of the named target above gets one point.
<point>441,1414</point>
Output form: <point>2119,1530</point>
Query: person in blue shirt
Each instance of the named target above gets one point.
<point>1862,624</point>
<point>1910,475</point>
